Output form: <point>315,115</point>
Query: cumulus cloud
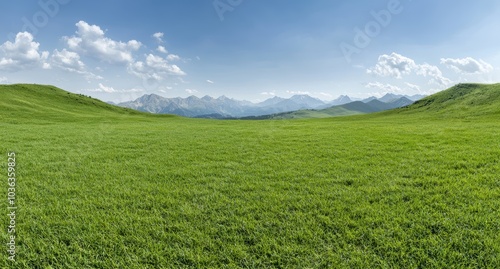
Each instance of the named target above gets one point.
<point>191,91</point>
<point>467,65</point>
<point>162,49</point>
<point>3,80</point>
<point>154,68</point>
<point>209,81</point>
<point>434,73</point>
<point>22,54</point>
<point>158,37</point>
<point>408,89</point>
<point>396,65</point>
<point>70,61</point>
<point>106,89</point>
<point>91,40</point>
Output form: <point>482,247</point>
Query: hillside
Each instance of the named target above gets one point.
<point>460,101</point>
<point>49,103</point>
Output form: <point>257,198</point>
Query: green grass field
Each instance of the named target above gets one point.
<point>106,187</point>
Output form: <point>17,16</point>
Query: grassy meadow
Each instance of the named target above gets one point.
<point>106,187</point>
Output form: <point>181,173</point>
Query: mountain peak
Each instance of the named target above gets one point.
<point>150,97</point>
<point>302,97</point>
<point>193,106</point>
<point>341,100</point>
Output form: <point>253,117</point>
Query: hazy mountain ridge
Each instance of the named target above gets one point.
<point>460,101</point>
<point>352,108</point>
<point>224,107</point>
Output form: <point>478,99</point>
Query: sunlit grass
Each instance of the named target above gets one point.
<point>114,190</point>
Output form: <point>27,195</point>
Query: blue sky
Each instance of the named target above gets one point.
<point>253,50</point>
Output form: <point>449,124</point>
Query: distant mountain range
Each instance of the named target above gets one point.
<point>352,108</point>
<point>224,107</point>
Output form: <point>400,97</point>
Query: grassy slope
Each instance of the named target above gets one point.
<point>48,103</point>
<point>462,102</point>
<point>111,188</point>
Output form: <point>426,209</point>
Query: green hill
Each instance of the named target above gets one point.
<point>460,101</point>
<point>49,103</point>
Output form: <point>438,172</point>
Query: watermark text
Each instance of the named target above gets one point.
<point>11,206</point>
<point>41,18</point>
<point>224,6</point>
<point>363,36</point>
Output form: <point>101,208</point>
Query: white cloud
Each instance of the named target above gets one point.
<point>173,57</point>
<point>190,91</point>
<point>22,54</point>
<point>268,93</point>
<point>155,68</point>
<point>209,81</point>
<point>106,89</point>
<point>103,88</point>
<point>298,92</point>
<point>434,73</point>
<point>413,87</point>
<point>3,80</point>
<point>410,89</point>
<point>158,37</point>
<point>162,49</point>
<point>467,65</point>
<point>386,88</point>
<point>91,41</point>
<point>396,65</point>
<point>70,61</point>
<point>132,90</point>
